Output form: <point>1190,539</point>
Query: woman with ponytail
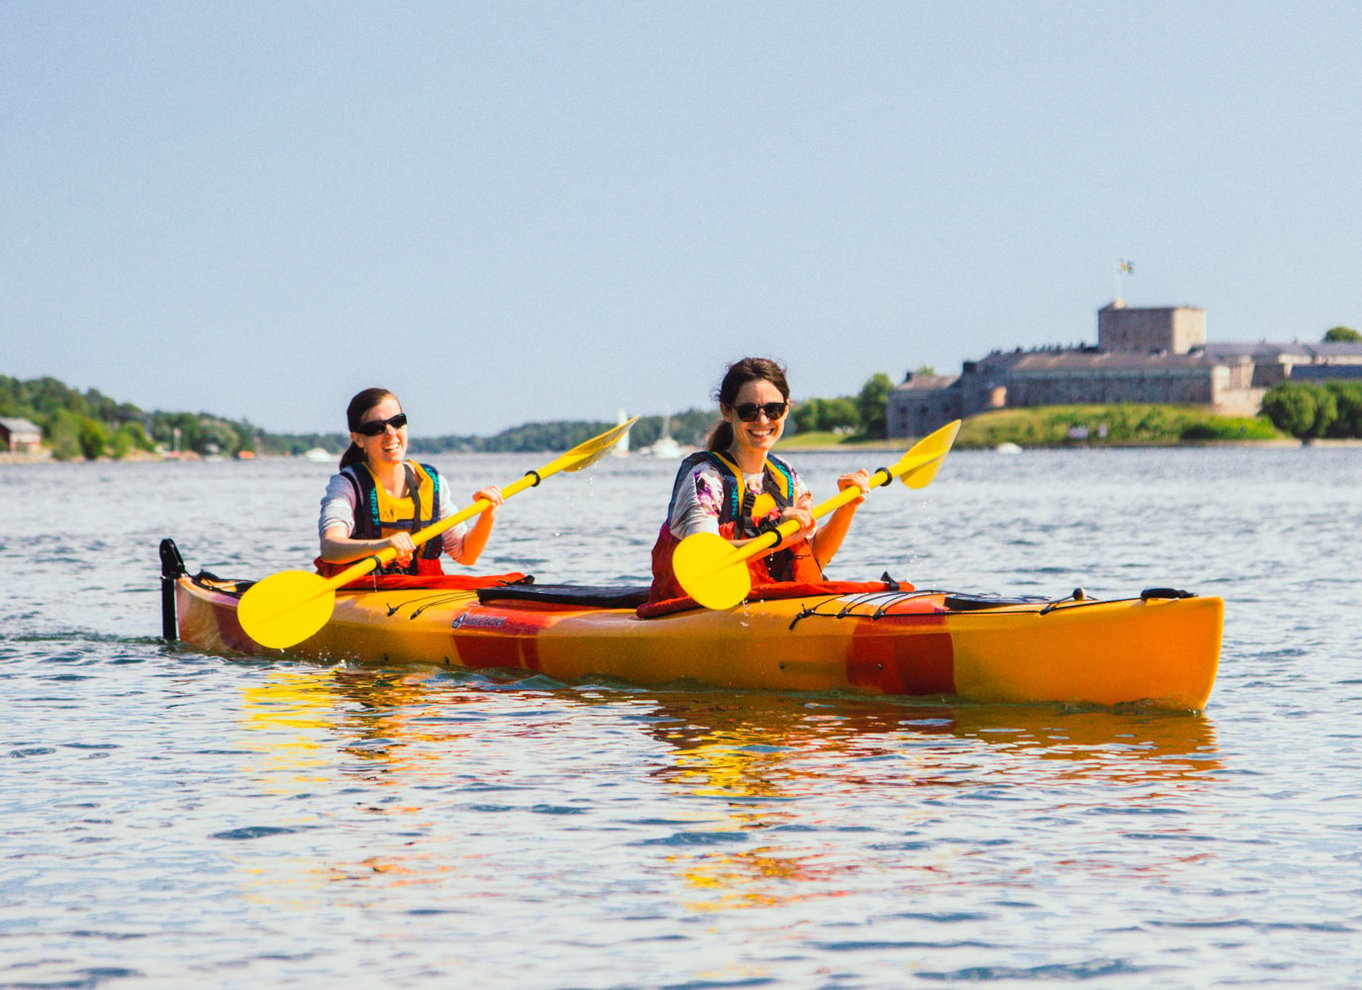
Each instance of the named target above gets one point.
<point>738,488</point>
<point>379,498</point>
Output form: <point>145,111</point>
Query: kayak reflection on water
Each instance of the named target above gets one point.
<point>757,780</point>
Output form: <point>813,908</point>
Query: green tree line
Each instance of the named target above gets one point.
<point>1309,411</point>
<point>90,425</point>
<point>863,416</point>
<point>75,424</point>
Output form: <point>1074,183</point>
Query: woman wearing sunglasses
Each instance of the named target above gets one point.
<point>379,498</point>
<point>738,488</point>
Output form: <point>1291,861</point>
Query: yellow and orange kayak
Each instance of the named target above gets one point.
<point>1159,650</point>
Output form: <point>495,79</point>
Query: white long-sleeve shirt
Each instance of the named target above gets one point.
<point>342,498</point>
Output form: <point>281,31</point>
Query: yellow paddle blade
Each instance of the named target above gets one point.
<point>710,571</point>
<point>589,452</point>
<point>936,446</point>
<point>286,608</point>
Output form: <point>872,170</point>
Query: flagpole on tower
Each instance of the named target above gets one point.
<point>1123,268</point>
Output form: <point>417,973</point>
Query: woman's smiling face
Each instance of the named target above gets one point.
<point>761,434</point>
<point>390,446</point>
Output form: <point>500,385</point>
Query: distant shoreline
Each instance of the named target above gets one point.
<point>865,447</point>
<point>899,447</point>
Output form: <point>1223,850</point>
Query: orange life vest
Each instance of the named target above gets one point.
<point>740,513</point>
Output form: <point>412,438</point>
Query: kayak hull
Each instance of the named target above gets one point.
<point>1160,652</point>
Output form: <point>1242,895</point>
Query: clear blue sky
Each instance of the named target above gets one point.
<point>516,211</point>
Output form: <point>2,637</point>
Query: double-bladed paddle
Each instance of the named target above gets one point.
<point>288,607</point>
<point>714,572</point>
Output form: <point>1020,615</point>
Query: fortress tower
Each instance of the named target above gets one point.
<point>1167,330</point>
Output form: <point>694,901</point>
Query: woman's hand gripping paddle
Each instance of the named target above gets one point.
<point>714,572</point>
<point>288,607</point>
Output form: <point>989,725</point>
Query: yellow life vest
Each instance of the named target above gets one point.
<point>378,515</point>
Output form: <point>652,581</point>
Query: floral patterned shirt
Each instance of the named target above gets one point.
<point>698,498</point>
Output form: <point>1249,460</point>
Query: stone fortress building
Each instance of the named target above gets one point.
<point>1143,355</point>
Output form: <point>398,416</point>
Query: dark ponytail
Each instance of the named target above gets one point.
<point>354,416</point>
<point>739,373</point>
<point>721,437</point>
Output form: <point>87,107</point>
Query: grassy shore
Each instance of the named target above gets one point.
<point>1078,426</point>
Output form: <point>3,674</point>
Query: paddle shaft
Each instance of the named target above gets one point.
<point>756,546</point>
<point>882,476</point>
<point>375,560</point>
<point>288,607</point>
<point>714,572</point>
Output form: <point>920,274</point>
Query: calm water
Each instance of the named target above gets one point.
<point>170,819</point>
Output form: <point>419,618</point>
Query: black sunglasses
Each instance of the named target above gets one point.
<point>747,411</point>
<point>375,427</point>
